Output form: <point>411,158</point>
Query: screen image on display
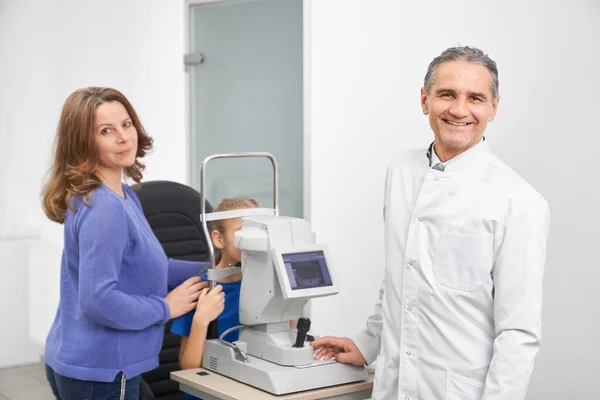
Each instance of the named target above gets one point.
<point>307,270</point>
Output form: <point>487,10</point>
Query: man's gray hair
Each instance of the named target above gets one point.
<point>469,54</point>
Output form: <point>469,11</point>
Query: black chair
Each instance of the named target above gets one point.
<point>173,212</point>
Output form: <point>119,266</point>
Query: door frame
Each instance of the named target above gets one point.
<point>189,100</point>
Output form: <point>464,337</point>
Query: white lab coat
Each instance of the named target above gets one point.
<point>459,314</point>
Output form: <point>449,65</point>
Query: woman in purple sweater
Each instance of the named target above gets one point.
<point>114,276</point>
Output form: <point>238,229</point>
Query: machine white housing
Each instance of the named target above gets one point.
<point>266,295</point>
<point>282,269</point>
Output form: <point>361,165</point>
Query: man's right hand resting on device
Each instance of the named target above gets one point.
<point>342,348</point>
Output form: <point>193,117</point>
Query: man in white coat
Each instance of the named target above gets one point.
<point>459,313</point>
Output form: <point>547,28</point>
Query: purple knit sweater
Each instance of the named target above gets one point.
<point>113,278</point>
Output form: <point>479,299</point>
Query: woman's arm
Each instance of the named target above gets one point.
<point>180,270</point>
<point>103,238</point>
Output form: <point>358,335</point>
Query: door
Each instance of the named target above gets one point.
<point>247,95</point>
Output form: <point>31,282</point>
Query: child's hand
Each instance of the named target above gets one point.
<point>182,299</point>
<point>210,305</point>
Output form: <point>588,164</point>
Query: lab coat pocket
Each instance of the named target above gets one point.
<point>460,387</point>
<point>379,381</point>
<point>463,262</point>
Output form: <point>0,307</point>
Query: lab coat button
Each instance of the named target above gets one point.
<point>409,308</point>
<point>420,218</point>
<point>411,263</point>
<point>437,178</point>
<point>408,353</point>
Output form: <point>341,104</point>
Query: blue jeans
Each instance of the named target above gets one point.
<point>65,388</point>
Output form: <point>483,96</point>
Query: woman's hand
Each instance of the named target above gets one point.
<point>182,299</point>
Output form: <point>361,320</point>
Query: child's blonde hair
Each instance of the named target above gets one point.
<point>228,204</point>
<point>232,203</point>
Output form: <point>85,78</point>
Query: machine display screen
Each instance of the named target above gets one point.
<point>307,270</point>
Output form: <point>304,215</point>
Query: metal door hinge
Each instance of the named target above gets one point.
<point>193,59</point>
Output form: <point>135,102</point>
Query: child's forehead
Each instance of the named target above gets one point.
<point>232,221</point>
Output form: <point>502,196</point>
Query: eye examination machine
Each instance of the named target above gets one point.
<point>283,268</point>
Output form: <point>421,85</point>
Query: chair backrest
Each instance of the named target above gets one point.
<point>173,212</point>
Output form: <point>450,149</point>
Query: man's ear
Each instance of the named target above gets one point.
<point>217,239</point>
<point>494,108</point>
<point>424,106</point>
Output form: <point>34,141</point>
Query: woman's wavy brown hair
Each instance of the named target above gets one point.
<point>76,155</point>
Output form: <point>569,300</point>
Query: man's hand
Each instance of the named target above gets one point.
<point>343,349</point>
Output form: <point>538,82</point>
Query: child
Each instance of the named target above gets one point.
<point>193,326</point>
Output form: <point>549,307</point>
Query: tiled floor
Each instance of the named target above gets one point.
<point>25,383</point>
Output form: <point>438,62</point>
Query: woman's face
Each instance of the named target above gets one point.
<point>116,137</point>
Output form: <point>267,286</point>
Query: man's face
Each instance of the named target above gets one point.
<point>459,104</point>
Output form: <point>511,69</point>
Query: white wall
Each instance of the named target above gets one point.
<point>47,50</point>
<point>368,62</point>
